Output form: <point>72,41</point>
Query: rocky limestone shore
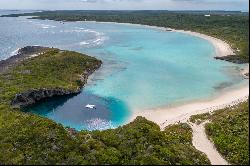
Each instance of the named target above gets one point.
<point>30,97</point>
<point>22,53</point>
<point>33,96</point>
<point>233,59</point>
<point>237,60</point>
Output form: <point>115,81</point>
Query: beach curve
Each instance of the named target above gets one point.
<point>182,113</point>
<point>171,115</point>
<point>165,116</point>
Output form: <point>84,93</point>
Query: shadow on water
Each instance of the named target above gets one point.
<point>47,105</point>
<point>71,111</point>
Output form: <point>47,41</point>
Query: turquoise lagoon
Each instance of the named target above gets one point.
<point>143,68</point>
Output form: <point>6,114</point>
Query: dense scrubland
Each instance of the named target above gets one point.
<point>30,139</point>
<point>229,130</point>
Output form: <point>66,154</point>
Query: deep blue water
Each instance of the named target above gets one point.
<point>143,68</point>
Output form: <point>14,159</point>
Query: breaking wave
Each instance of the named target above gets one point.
<point>98,39</point>
<point>15,52</point>
<point>45,26</point>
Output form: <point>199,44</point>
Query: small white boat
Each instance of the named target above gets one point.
<point>90,106</point>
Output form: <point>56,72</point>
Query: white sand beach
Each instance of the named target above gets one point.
<point>166,116</point>
<point>171,115</point>
<point>182,113</point>
<point>221,47</point>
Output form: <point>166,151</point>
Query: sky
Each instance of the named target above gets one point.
<point>241,5</point>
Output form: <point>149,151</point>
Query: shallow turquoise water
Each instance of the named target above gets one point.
<point>143,68</point>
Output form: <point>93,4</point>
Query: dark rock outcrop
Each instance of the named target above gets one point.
<point>29,50</point>
<point>30,97</point>
<point>22,54</point>
<point>233,59</point>
<point>33,96</point>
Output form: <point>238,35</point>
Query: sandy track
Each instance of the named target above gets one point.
<point>203,144</point>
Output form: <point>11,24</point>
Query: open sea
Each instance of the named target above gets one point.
<point>143,68</point>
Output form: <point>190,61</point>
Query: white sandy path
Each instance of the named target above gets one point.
<point>203,144</point>
<point>166,116</point>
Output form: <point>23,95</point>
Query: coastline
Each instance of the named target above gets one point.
<point>182,112</point>
<point>19,55</point>
<point>166,116</point>
<point>171,115</point>
<point>29,96</point>
<point>222,48</point>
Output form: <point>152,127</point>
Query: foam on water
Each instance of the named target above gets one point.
<point>98,124</point>
<point>99,38</point>
<point>15,52</point>
<point>46,26</point>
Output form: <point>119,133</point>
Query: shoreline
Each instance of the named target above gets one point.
<point>181,113</point>
<point>30,96</point>
<point>171,114</point>
<point>19,55</point>
<point>222,48</point>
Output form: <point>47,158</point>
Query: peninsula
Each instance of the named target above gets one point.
<point>36,73</point>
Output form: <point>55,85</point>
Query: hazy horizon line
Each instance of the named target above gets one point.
<point>213,10</point>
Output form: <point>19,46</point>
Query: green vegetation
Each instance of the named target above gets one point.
<point>229,130</point>
<point>53,69</point>
<point>29,139</point>
<point>229,26</point>
<point>142,143</point>
<point>199,118</point>
<point>26,138</point>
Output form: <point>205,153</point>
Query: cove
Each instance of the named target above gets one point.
<point>142,68</point>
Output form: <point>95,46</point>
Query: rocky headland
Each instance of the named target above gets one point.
<point>26,56</point>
